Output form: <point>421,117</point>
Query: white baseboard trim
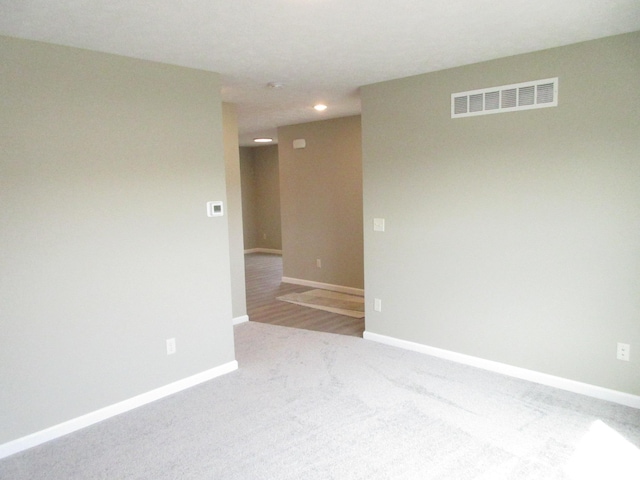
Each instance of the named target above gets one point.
<point>264,250</point>
<point>531,375</point>
<point>241,319</point>
<point>83,421</point>
<point>324,286</point>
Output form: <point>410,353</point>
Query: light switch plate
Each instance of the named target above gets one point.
<point>378,224</point>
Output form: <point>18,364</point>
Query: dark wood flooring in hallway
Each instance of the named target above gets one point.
<point>263,273</point>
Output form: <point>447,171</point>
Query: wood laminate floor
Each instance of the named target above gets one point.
<point>263,274</point>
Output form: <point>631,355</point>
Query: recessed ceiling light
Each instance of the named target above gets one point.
<point>320,107</point>
<point>263,140</point>
<point>275,85</point>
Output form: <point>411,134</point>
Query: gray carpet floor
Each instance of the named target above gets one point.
<point>311,405</point>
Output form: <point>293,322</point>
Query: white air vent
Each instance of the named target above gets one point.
<point>507,98</point>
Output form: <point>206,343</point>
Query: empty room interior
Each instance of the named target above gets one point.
<point>468,174</point>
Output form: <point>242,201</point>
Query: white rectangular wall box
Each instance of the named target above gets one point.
<point>214,209</point>
<point>377,304</point>
<point>171,346</point>
<point>378,224</point>
<point>624,350</point>
<point>299,143</point>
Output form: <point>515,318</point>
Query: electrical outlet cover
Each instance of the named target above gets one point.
<point>624,351</point>
<point>171,346</point>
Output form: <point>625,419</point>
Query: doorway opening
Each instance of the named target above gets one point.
<point>306,203</point>
<point>263,277</point>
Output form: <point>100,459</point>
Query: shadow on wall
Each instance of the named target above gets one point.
<point>259,170</point>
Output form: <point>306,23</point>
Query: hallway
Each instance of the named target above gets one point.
<point>263,273</point>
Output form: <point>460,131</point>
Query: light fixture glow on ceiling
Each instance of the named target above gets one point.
<point>320,107</point>
<point>263,140</point>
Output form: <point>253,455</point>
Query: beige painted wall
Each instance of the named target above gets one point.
<point>266,167</point>
<point>321,202</point>
<point>511,237</point>
<point>105,247</point>
<point>248,182</point>
<point>234,210</point>
<point>261,197</point>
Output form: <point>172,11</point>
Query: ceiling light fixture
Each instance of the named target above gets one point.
<point>275,85</point>
<point>263,140</point>
<point>320,107</point>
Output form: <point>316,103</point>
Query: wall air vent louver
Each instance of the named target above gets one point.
<point>507,98</point>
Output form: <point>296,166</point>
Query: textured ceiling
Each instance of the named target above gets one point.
<point>321,50</point>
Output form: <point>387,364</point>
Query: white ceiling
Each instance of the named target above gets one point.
<point>321,50</point>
